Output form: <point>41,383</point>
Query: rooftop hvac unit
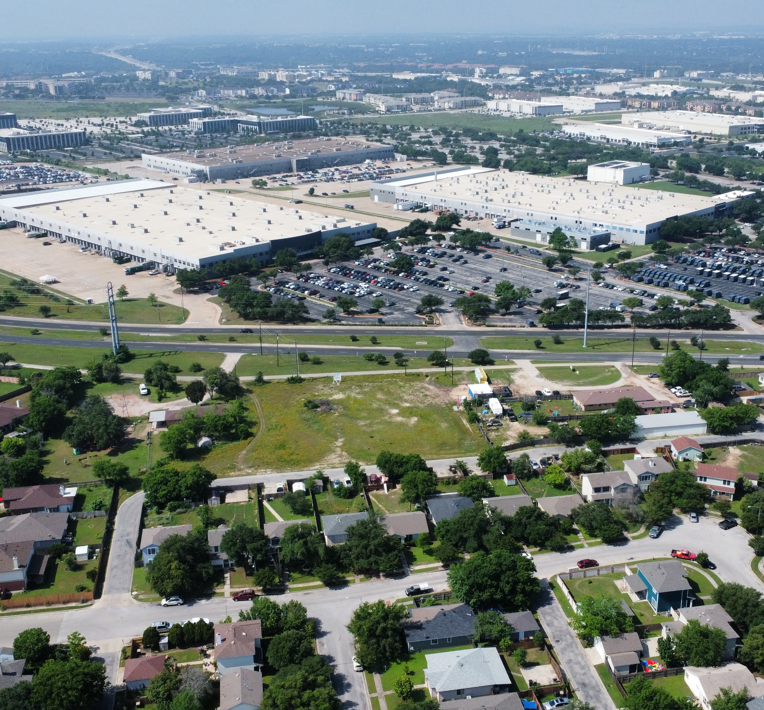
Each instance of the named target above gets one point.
<point>131,225</point>
<point>169,200</point>
<point>106,199</point>
<point>232,214</point>
<point>140,194</point>
<point>163,212</point>
<point>178,239</point>
<point>58,207</point>
<point>135,207</point>
<point>145,231</point>
<point>83,214</point>
<point>230,228</point>
<point>112,222</point>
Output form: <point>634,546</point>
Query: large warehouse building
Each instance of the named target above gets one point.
<point>545,107</point>
<point>618,171</point>
<point>716,124</point>
<point>259,125</point>
<point>268,158</point>
<point>171,226</point>
<point>625,135</point>
<point>173,116</point>
<point>630,215</point>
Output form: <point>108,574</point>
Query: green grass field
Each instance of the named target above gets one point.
<point>330,504</point>
<point>665,186</point>
<point>368,415</point>
<point>482,122</point>
<point>674,684</point>
<point>228,513</point>
<point>592,375</point>
<point>607,117</point>
<point>616,460</point>
<point>604,586</point>
<point>416,663</point>
<point>609,684</point>
<point>32,108</point>
<point>538,488</point>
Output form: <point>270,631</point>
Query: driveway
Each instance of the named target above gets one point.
<point>119,572</point>
<point>580,672</point>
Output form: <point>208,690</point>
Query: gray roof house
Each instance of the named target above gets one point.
<point>214,538</point>
<point>152,538</point>
<point>456,674</point>
<point>505,701</point>
<point>716,617</point>
<point>237,646</point>
<point>607,487</point>
<point>523,624</point>
<point>439,626</point>
<point>41,528</point>
<point>12,672</point>
<point>447,506</point>
<point>755,704</point>
<point>241,689</point>
<point>336,526</point>
<point>508,504</point>
<point>622,653</point>
<point>560,506</point>
<point>406,526</point>
<point>663,584</point>
<point>275,531</point>
<point>643,472</point>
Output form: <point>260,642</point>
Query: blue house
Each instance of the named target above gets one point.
<point>663,585</point>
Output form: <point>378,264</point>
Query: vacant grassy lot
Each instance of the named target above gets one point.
<point>499,124</point>
<point>391,501</point>
<point>331,504</point>
<point>285,512</point>
<point>228,513</point>
<point>586,375</point>
<point>752,459</point>
<point>31,108</point>
<point>367,415</point>
<point>664,186</point>
<point>143,359</point>
<point>604,586</point>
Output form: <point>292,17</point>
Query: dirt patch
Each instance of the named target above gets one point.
<point>131,405</point>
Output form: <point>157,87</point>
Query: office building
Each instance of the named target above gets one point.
<point>618,171</point>
<point>458,102</point>
<point>716,124</point>
<point>8,120</point>
<point>526,108</point>
<point>630,215</point>
<point>15,140</point>
<point>158,117</point>
<point>625,135</point>
<point>350,94</point>
<point>268,158</point>
<point>173,227</point>
<point>585,104</point>
<point>258,125</point>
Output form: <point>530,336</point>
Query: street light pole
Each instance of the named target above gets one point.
<point>668,340</point>
<point>296,358</point>
<point>633,343</point>
<point>586,308</point>
<point>277,350</point>
<point>445,354</point>
<point>701,346</point>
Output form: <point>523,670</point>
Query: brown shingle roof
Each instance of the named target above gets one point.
<point>237,639</point>
<point>143,668</point>
<point>8,413</point>
<point>600,396</point>
<point>709,470</point>
<point>31,497</point>
<point>414,523</point>
<point>33,527</point>
<point>685,442</point>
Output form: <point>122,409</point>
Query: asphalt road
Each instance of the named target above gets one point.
<point>119,572</point>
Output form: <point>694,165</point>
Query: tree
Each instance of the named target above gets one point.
<point>195,391</point>
<point>727,699</point>
<point>302,687</point>
<point>395,466</point>
<point>163,687</point>
<point>19,697</point>
<point>601,617</point>
<point>404,687</point>
<point>627,407</point>
<point>245,545</point>
<point>221,383</point>
<point>112,472</point>
<point>476,488</point>
<point>492,460</point>
<point>576,460</point>
<point>430,302</point>
<point>270,614</point>
<point>700,645</point>
<point>122,292</point>
<point>724,420</point>
<point>479,356</point>
<point>416,486</point>
<point>486,580</point>
<point>555,476</point>
<point>346,304</point>
<point>378,634</point>
<point>356,473</point>
<point>288,648</point>
<point>302,546</point>
<point>437,358</point>
<point>492,628</point>
<point>285,259</point>
<point>558,240</point>
<point>645,695</point>
<point>744,604</point>
<point>446,221</point>
<point>522,467</point>
<point>33,645</point>
<point>549,262</point>
<point>474,307</point>
<point>370,550</point>
<point>186,700</point>
<point>95,427</point>
<point>105,370</point>
<point>164,484</point>
<point>598,520</point>
<point>752,653</point>
<point>69,685</point>
<point>182,566</point>
<point>160,375</point>
<point>150,639</point>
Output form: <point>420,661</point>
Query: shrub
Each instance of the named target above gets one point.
<point>80,588</point>
<point>556,339</point>
<point>195,367</point>
<point>303,356</point>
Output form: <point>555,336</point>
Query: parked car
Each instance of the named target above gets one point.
<point>584,564</point>
<point>556,703</point>
<point>243,595</point>
<point>160,625</point>
<point>417,589</point>
<point>694,517</point>
<point>173,601</point>
<point>357,667</point>
<point>683,554</point>
<point>653,375</point>
<point>655,531</point>
<point>728,524</point>
<point>143,389</point>
<point>336,483</point>
<point>246,330</point>
<point>547,392</point>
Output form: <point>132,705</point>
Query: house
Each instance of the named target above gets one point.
<point>140,671</point>
<point>41,528</point>
<point>596,400</point>
<point>622,653</point>
<point>658,426</point>
<point>20,565</point>
<point>473,672</point>
<point>441,626</point>
<point>686,449</point>
<point>756,703</point>
<point>507,504</point>
<point>663,585</point>
<point>406,526</point>
<point>560,506</point>
<point>275,531</point>
<point>214,539</point>
<point>152,538</point>
<point>165,418</point>
<point>645,471</point>
<point>238,646</point>
<point>45,498</point>
<point>607,487</point>
<point>336,526</point>
<point>720,480</point>
<point>447,506</point>
<point>12,672</point>
<point>241,689</point>
<point>706,683</point>
<point>11,416</point>
<point>712,615</point>
<point>6,654</point>
<point>524,625</point>
<point>505,701</point>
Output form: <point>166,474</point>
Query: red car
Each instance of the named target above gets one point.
<point>683,554</point>
<point>583,564</point>
<point>243,595</point>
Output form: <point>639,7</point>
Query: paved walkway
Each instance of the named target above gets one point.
<point>230,361</point>
<point>119,571</point>
<point>267,505</point>
<point>380,692</point>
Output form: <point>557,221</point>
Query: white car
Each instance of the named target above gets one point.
<point>173,601</point>
<point>546,392</point>
<point>357,667</point>
<point>143,389</point>
<point>556,703</point>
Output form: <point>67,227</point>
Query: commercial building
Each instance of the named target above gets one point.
<point>598,400</point>
<point>15,140</point>
<point>173,227</point>
<point>625,135</point>
<point>158,117</point>
<point>8,120</point>
<point>257,125</point>
<point>585,104</point>
<point>459,102</point>
<point>526,107</point>
<point>618,171</point>
<point>654,426</point>
<point>630,215</point>
<point>268,158</point>
<point>716,124</point>
<point>350,94</point>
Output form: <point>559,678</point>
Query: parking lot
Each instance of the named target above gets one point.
<point>13,175</point>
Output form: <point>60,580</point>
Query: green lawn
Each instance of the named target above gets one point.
<point>416,662</point>
<point>665,186</point>
<point>609,684</point>
<point>368,415</point>
<point>502,489</point>
<point>143,359</point>
<point>616,461</point>
<point>607,117</point>
<point>535,657</point>
<point>228,513</point>
<point>604,586</point>
<point>186,655</point>
<point>581,375</point>
<point>6,387</point>
<point>751,459</point>
<point>391,501</point>
<point>499,124</point>
<point>32,108</point>
<point>284,511</point>
<point>141,586</point>
<point>330,504</point>
<point>701,586</point>
<point>673,684</point>
<point>538,488</point>
<point>59,580</point>
<point>417,556</point>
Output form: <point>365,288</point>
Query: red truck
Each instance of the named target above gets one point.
<point>683,554</point>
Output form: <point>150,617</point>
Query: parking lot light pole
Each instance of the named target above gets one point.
<point>296,357</point>
<point>277,350</point>
<point>586,308</point>
<point>445,354</point>
<point>633,343</point>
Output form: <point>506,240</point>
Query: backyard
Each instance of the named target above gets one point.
<point>537,487</point>
<point>227,513</point>
<point>604,586</point>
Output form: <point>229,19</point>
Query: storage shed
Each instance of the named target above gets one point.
<point>654,426</point>
<point>495,406</point>
<point>481,391</point>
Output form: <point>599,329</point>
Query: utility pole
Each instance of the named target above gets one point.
<point>261,338</point>
<point>296,358</point>
<point>633,343</point>
<point>277,350</point>
<point>113,319</point>
<point>586,308</point>
<point>148,444</point>
<point>668,340</point>
<point>445,353</point>
<point>701,346</point>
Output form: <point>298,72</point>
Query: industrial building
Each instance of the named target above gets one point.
<point>257,125</point>
<point>585,104</point>
<point>172,227</point>
<point>630,215</point>
<point>8,120</point>
<point>625,135</point>
<point>545,107</point>
<point>618,171</point>
<point>268,158</point>
<point>716,124</point>
<point>158,117</point>
<point>14,140</point>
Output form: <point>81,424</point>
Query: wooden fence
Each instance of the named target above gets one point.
<point>50,600</point>
<point>624,678</point>
<point>103,559</point>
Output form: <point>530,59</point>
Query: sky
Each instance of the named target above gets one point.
<point>144,19</point>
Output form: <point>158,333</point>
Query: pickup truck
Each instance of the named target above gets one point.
<point>418,589</point>
<point>683,554</point>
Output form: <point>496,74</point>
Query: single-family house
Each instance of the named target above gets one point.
<point>140,671</point>
<point>238,645</point>
<point>596,400</point>
<point>523,623</point>
<point>505,701</point>
<point>560,506</point>
<point>165,418</point>
<point>686,449</point>
<point>406,526</point>
<point>674,424</point>
<point>622,653</point>
<point>43,498</point>
<point>712,615</point>
<point>645,471</point>
<point>6,654</point>
<point>720,480</point>
<point>336,526</point>
<point>456,674</point>
<point>607,487</point>
<point>507,504</point>
<point>663,585</point>
<point>11,417</point>
<point>275,531</point>
<point>439,626</point>
<point>447,506</point>
<point>706,683</point>
<point>214,540</point>
<point>41,528</point>
<point>756,703</point>
<point>12,672</point>
<point>21,565</point>
<point>152,539</point>
<point>241,689</point>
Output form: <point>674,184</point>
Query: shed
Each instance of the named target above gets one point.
<point>676,424</point>
<point>298,486</point>
<point>82,553</point>
<point>495,406</point>
<point>480,391</point>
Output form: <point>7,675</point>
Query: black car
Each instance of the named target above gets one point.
<point>539,393</point>
<point>556,393</point>
<point>727,524</point>
<point>246,330</point>
<point>708,565</point>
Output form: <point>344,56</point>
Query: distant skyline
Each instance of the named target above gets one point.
<point>136,20</point>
